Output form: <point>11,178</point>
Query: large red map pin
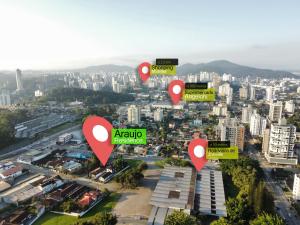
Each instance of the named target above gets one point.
<point>175,89</point>
<point>144,71</point>
<point>197,152</point>
<point>97,132</point>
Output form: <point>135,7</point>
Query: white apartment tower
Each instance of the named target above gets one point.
<point>289,106</point>
<point>269,94</point>
<point>5,98</point>
<point>246,114</point>
<point>257,124</point>
<point>281,144</point>
<point>275,111</point>
<point>296,187</point>
<point>134,114</point>
<point>158,115</point>
<point>19,80</point>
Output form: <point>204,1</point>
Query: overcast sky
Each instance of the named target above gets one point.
<point>55,34</point>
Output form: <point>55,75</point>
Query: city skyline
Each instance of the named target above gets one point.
<point>66,35</point>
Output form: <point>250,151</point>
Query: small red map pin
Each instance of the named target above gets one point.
<point>197,152</point>
<point>175,89</point>
<point>97,132</point>
<point>144,71</point>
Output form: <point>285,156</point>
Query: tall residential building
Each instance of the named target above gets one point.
<point>275,111</point>
<point>134,114</point>
<point>269,94</point>
<point>116,86</point>
<point>257,124</point>
<point>229,97</point>
<point>220,110</point>
<point>252,93</point>
<point>296,187</point>
<point>281,144</point>
<point>5,98</point>
<point>158,115</point>
<point>224,89</point>
<point>243,93</point>
<point>246,114</point>
<point>230,130</point>
<point>19,80</point>
<point>266,140</point>
<point>289,106</point>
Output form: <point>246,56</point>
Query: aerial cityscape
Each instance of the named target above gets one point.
<point>153,136</point>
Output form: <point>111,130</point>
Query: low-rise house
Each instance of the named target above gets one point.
<point>12,172</point>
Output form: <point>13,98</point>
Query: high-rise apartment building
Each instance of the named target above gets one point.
<point>246,114</point>
<point>269,94</point>
<point>243,93</point>
<point>229,130</point>
<point>134,114</point>
<point>296,187</point>
<point>5,98</point>
<point>289,106</point>
<point>252,93</point>
<point>257,124</point>
<point>275,111</point>
<point>158,115</point>
<point>19,80</point>
<point>281,144</point>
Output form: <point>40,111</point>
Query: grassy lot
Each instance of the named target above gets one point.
<point>59,128</point>
<point>57,219</point>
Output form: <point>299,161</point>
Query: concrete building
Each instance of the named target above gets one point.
<point>266,140</point>
<point>275,111</point>
<point>182,188</point>
<point>281,144</point>
<point>289,106</point>
<point>158,115</point>
<point>269,94</point>
<point>65,138</point>
<point>252,93</point>
<point>243,93</point>
<point>246,114</point>
<point>224,89</point>
<point>296,187</point>
<point>134,115</point>
<point>19,80</point>
<point>230,130</point>
<point>5,98</point>
<point>220,110</point>
<point>257,124</point>
<point>229,97</point>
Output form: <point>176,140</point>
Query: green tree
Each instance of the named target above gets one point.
<point>104,218</point>
<point>267,219</point>
<point>238,210</point>
<point>221,221</point>
<point>180,218</point>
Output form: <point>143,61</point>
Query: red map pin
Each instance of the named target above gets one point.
<point>144,71</point>
<point>197,149</point>
<point>175,89</point>
<point>97,132</point>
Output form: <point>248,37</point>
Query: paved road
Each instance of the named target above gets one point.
<point>281,202</point>
<point>46,141</point>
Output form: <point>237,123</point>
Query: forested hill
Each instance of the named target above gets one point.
<point>87,96</point>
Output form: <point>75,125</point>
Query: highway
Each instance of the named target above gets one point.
<point>282,205</point>
<point>46,141</point>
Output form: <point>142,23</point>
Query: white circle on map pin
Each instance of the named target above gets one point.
<point>199,151</point>
<point>100,133</point>
<point>145,69</point>
<point>176,89</point>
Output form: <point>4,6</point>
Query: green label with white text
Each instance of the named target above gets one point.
<point>231,152</point>
<point>129,136</point>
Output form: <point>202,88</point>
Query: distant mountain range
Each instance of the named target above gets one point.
<point>219,66</point>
